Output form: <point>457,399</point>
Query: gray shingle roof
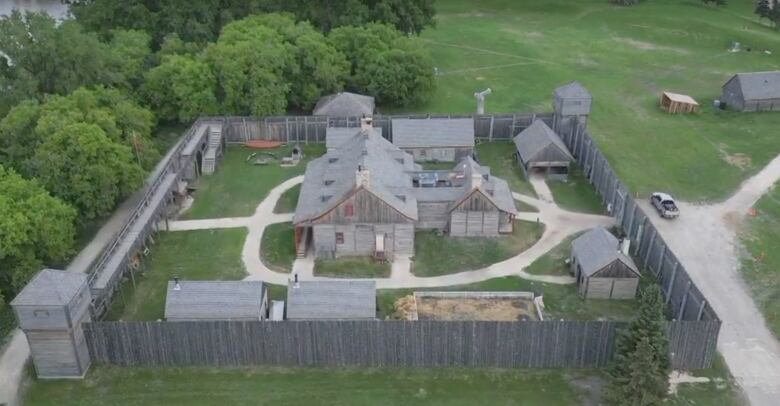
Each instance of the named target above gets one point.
<point>433,132</point>
<point>215,300</point>
<point>344,104</point>
<point>51,287</point>
<point>536,138</point>
<point>572,90</point>
<point>336,136</point>
<point>335,175</point>
<point>333,299</point>
<point>759,85</point>
<point>598,248</point>
<point>495,189</point>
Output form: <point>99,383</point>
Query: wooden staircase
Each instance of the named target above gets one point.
<point>213,151</point>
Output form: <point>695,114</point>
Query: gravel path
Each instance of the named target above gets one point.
<point>12,361</point>
<point>559,225</point>
<point>704,239</point>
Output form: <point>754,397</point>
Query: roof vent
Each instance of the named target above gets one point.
<point>325,198</point>
<point>176,285</point>
<point>332,160</point>
<point>296,285</point>
<point>329,182</point>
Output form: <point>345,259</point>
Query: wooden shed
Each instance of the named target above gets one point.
<point>675,103</point>
<point>216,300</point>
<point>435,139</point>
<point>754,91</point>
<point>50,310</point>
<point>539,149</point>
<point>602,270</point>
<point>331,300</point>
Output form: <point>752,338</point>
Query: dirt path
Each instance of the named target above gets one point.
<point>705,240</point>
<point>12,362</point>
<point>559,225</point>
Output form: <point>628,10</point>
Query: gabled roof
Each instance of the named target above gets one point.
<point>758,85</point>
<point>335,136</point>
<point>598,248</point>
<point>333,177</point>
<point>51,287</point>
<point>573,90</point>
<point>536,138</point>
<point>344,104</point>
<point>433,132</point>
<point>214,300</point>
<point>331,299</point>
<point>494,189</point>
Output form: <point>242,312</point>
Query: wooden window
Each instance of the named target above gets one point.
<point>349,210</point>
<point>339,238</point>
<point>40,313</point>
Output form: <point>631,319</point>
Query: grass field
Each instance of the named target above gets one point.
<point>440,255</point>
<point>237,187</point>
<point>278,247</point>
<point>761,262</point>
<point>190,255</point>
<point>351,267</point>
<point>553,262</point>
<point>288,200</point>
<point>576,194</point>
<point>499,157</point>
<point>625,56</point>
<point>561,301</point>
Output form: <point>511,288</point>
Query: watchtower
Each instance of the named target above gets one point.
<point>50,310</point>
<point>572,108</point>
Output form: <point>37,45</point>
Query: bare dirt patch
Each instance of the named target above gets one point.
<point>648,46</point>
<point>497,309</point>
<point>739,160</point>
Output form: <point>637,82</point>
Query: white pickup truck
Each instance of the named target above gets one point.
<point>665,205</point>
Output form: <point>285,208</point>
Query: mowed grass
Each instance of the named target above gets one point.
<point>499,156</point>
<point>761,260</point>
<point>626,56</point>
<point>238,186</point>
<point>554,261</point>
<point>352,267</point>
<point>561,301</point>
<point>277,248</point>
<point>576,193</point>
<point>190,255</point>
<point>288,200</point>
<point>311,386</point>
<point>441,254</point>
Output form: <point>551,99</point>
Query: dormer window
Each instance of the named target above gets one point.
<point>328,182</point>
<point>401,197</point>
<point>400,160</point>
<point>332,160</point>
<point>325,198</point>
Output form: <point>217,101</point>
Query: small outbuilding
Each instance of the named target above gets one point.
<point>50,310</point>
<point>435,139</point>
<point>539,149</point>
<point>572,99</point>
<point>602,270</point>
<point>755,91</point>
<point>675,103</point>
<point>331,300</point>
<point>216,300</point>
<point>344,104</point>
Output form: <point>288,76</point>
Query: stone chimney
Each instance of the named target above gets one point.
<point>476,180</point>
<point>362,177</point>
<point>366,123</point>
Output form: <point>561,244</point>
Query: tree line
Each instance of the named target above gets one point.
<point>80,99</point>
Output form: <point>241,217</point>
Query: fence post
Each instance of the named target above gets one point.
<point>701,309</point>
<point>650,248</point>
<point>490,135</point>
<point>287,129</point>
<point>671,283</point>
<point>681,312</point>
<point>306,128</point>
<point>661,261</point>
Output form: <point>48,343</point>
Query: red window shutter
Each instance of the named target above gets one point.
<point>349,210</point>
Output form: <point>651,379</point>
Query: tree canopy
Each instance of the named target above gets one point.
<point>36,229</point>
<point>181,88</point>
<point>81,165</point>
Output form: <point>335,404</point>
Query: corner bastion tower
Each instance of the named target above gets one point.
<point>571,110</point>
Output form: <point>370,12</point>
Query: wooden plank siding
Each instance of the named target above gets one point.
<point>374,343</point>
<point>366,208</point>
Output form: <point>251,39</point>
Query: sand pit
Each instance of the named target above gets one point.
<point>494,306</point>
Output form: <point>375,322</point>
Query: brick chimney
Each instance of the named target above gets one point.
<point>362,177</point>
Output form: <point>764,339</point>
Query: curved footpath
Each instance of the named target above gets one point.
<point>559,224</point>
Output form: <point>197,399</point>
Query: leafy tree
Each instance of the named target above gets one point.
<point>131,53</point>
<point>181,88</point>
<point>36,229</point>
<point>769,9</point>
<point>409,16</point>
<point>250,60</point>
<point>385,64</point>
<point>640,371</point>
<point>81,165</point>
<point>18,138</point>
<point>45,58</point>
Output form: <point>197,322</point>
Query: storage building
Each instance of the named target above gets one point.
<point>602,270</point>
<point>331,300</point>
<point>539,149</point>
<point>434,139</point>
<point>756,91</point>
<point>675,103</point>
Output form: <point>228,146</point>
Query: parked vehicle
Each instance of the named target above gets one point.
<point>665,205</point>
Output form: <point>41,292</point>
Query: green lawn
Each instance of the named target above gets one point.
<point>435,166</point>
<point>761,262</point>
<point>351,267</point>
<point>625,56</point>
<point>278,246</point>
<point>440,254</point>
<point>288,200</point>
<point>554,261</point>
<point>722,390</point>
<point>561,301</point>
<point>576,194</point>
<point>190,255</point>
<point>238,186</point>
<point>499,157</point>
